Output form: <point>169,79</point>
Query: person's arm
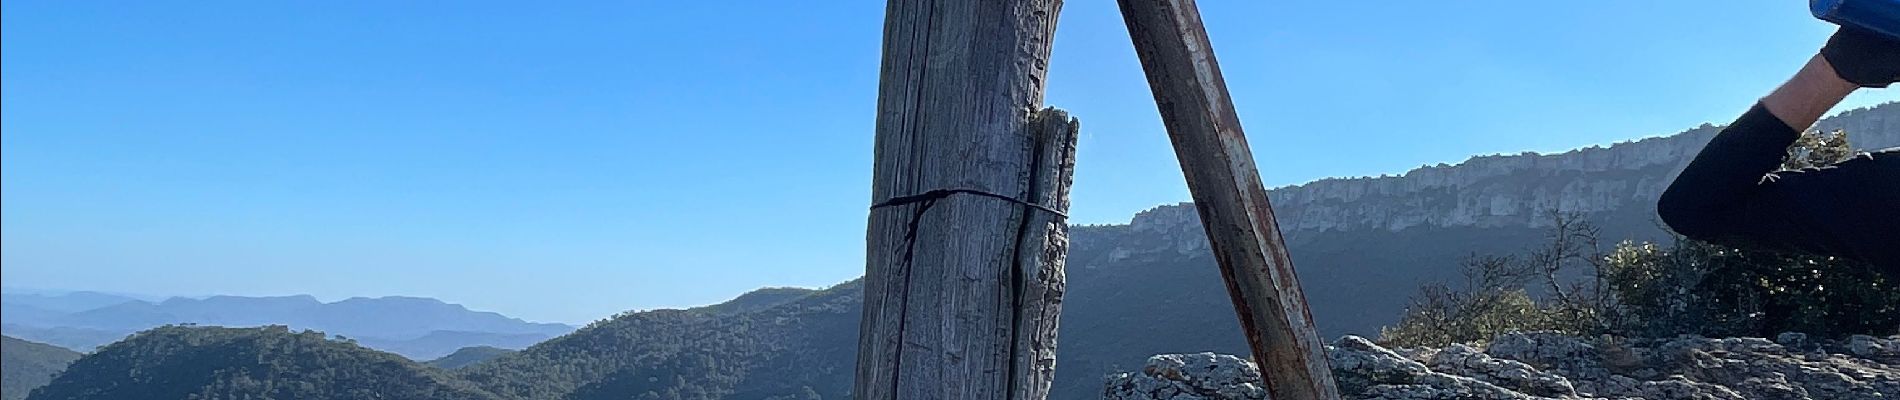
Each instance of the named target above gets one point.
<point>1711,199</point>
<point>1808,95</point>
<point>1726,195</point>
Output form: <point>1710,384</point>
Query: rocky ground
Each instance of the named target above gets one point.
<point>1554,366</point>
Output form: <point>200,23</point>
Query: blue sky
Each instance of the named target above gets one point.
<point>564,163</point>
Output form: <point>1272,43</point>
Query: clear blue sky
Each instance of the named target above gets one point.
<point>562,163</point>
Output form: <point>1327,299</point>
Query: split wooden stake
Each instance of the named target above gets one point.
<point>967,237</point>
<point>1199,115</point>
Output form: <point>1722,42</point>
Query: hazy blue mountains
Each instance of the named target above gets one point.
<point>420,328</point>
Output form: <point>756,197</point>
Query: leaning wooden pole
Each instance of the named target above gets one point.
<point>967,233</point>
<point>1179,61</point>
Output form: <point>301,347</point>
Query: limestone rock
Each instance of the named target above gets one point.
<point>1190,377</point>
<point>1537,366</point>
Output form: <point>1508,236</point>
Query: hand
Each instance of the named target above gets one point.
<point>1866,59</point>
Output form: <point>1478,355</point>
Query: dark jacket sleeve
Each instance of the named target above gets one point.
<point>1730,194</point>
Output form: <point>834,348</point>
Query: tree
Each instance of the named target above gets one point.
<point>1713,290</point>
<point>1515,293</point>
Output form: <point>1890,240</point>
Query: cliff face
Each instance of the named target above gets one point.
<point>1363,246</point>
<point>1509,190</point>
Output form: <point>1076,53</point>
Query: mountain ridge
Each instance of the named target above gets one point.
<point>418,327</point>
<point>27,365</point>
<point>1316,205</point>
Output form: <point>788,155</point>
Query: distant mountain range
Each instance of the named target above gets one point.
<point>1362,246</point>
<point>419,328</point>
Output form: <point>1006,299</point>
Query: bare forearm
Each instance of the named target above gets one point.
<point>1810,94</point>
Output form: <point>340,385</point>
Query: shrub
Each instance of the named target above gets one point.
<point>1501,294</point>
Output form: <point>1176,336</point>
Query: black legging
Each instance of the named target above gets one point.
<point>1731,195</point>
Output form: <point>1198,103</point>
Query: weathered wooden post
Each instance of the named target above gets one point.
<point>967,235</point>
<point>1179,61</point>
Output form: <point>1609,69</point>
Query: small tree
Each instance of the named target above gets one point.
<point>1511,293</point>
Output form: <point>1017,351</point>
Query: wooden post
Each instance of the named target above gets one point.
<point>967,237</point>
<point>1179,61</point>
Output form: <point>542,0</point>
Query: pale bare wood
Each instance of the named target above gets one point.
<point>1179,62</point>
<point>1042,251</point>
<point>962,289</point>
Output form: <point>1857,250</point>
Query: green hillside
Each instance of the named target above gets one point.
<point>183,362</point>
<point>797,350</point>
<point>758,300</point>
<point>468,356</point>
<point>780,345</point>
<point>27,365</point>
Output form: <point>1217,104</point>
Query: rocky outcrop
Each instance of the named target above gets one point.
<point>1190,377</point>
<point>1554,366</point>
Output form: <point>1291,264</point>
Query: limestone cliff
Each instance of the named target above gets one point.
<point>1363,246</point>
<point>1509,190</point>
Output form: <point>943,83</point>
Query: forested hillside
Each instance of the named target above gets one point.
<point>468,356</point>
<point>185,362</point>
<point>800,347</point>
<point>27,365</point>
<point>787,347</point>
